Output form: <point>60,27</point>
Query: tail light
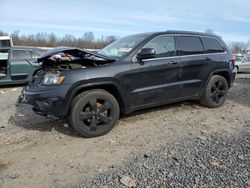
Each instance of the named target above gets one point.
<point>233,58</point>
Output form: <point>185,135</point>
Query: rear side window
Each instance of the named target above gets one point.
<point>212,46</point>
<point>189,45</point>
<point>21,54</point>
<point>164,46</point>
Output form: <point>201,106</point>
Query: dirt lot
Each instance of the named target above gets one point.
<point>37,152</point>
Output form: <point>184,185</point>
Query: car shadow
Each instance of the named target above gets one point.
<point>25,117</point>
<point>12,85</point>
<point>192,104</point>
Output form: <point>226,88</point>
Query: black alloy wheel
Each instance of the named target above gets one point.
<point>215,92</point>
<point>218,90</point>
<point>94,113</point>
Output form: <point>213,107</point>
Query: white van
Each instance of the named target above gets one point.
<point>6,41</point>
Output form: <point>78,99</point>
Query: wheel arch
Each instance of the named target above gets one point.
<point>223,73</point>
<point>109,87</point>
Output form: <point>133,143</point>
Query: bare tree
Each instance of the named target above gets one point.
<point>89,37</point>
<point>240,47</point>
<point>209,31</point>
<point>51,40</point>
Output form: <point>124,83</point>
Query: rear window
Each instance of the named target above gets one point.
<point>212,46</point>
<point>188,45</point>
<point>5,43</point>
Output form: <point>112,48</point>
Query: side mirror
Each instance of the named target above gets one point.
<point>146,53</point>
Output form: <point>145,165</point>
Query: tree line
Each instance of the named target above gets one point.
<point>236,47</point>
<point>240,47</point>
<point>43,39</point>
<point>87,40</point>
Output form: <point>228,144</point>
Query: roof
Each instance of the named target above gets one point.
<point>182,32</point>
<point>191,33</point>
<point>5,37</point>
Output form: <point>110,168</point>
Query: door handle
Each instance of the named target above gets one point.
<point>173,63</point>
<point>207,59</point>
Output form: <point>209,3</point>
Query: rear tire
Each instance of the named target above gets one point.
<point>94,113</point>
<point>215,93</point>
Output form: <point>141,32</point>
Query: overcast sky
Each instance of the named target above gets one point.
<point>228,18</point>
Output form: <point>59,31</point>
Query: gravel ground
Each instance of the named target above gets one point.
<point>185,144</point>
<point>214,161</point>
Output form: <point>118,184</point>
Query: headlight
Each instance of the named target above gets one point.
<point>53,79</point>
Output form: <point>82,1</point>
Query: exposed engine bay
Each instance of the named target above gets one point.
<point>62,59</point>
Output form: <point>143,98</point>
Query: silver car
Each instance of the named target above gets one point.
<point>243,63</point>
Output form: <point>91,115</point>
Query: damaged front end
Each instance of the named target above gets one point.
<point>64,58</point>
<point>48,89</point>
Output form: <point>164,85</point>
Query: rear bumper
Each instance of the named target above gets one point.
<point>232,77</point>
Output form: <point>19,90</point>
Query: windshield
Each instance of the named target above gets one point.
<point>123,46</point>
<point>239,58</point>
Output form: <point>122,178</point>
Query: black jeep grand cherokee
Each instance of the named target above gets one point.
<point>132,73</point>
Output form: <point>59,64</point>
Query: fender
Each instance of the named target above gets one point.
<point>83,86</point>
<point>216,73</point>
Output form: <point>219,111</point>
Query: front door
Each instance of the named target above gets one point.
<point>20,64</point>
<point>154,81</point>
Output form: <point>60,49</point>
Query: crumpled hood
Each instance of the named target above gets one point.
<point>69,49</point>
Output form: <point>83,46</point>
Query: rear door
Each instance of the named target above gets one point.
<point>20,64</point>
<point>155,80</point>
<point>193,64</point>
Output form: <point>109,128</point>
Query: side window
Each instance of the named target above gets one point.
<point>21,54</point>
<point>188,45</point>
<point>164,46</point>
<point>248,59</point>
<point>212,46</point>
<point>34,55</point>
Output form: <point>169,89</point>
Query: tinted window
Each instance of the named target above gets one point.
<point>212,46</point>
<point>164,46</point>
<point>21,54</point>
<point>5,43</point>
<point>188,45</point>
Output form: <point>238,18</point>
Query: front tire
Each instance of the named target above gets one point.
<point>215,93</point>
<point>94,113</point>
